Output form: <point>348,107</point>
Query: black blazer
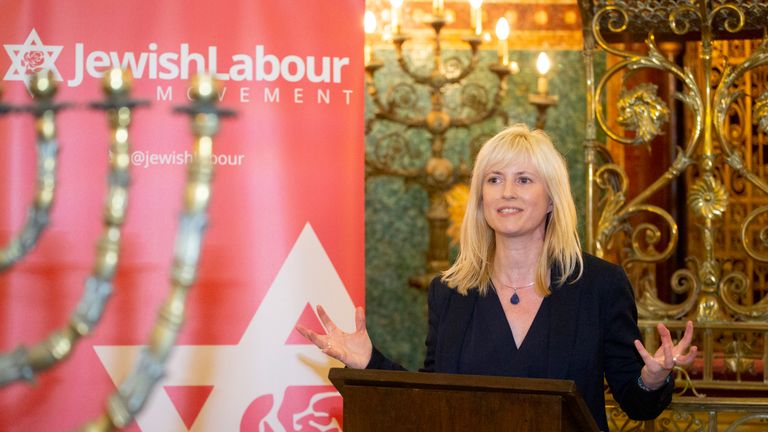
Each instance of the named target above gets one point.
<point>593,325</point>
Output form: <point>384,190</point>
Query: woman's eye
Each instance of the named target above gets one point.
<point>524,180</point>
<point>494,179</point>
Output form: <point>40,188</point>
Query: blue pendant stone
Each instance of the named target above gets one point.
<point>515,299</point>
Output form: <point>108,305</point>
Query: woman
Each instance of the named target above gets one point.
<point>523,300</point>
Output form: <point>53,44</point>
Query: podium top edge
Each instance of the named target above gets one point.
<point>345,376</point>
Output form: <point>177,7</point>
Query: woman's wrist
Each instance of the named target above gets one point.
<point>649,387</point>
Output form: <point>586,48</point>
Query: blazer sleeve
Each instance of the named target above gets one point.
<point>381,362</point>
<point>622,361</point>
<point>437,300</point>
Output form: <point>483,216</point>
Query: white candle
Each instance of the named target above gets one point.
<point>502,33</point>
<point>542,66</point>
<point>476,16</point>
<point>369,25</point>
<point>437,8</point>
<point>396,5</point>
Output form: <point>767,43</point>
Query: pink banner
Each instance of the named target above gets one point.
<point>286,218</point>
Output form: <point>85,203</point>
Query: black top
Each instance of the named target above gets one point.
<point>589,339</point>
<point>495,352</point>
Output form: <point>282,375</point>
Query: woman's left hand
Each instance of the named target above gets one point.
<point>659,365</point>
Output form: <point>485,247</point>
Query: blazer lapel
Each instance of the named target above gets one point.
<point>451,338</point>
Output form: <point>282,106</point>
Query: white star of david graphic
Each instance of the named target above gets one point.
<point>30,57</point>
<point>261,363</point>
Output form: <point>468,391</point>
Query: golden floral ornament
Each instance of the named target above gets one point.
<point>708,198</point>
<point>457,198</point>
<point>439,169</point>
<point>641,111</point>
<point>760,111</point>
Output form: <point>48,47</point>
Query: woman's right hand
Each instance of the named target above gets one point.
<point>352,349</point>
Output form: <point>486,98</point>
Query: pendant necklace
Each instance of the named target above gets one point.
<point>516,298</point>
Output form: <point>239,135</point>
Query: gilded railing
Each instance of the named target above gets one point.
<point>716,266</point>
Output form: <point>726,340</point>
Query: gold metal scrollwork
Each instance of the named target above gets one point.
<point>619,421</point>
<point>732,286</point>
<point>760,111</point>
<point>746,419</point>
<point>644,239</point>
<point>682,375</point>
<point>683,281</point>
<point>615,214</point>
<point>721,93</point>
<point>653,60</point>
<point>679,23</point>
<point>613,180</point>
<point>646,236</point>
<point>735,284</point>
<point>681,421</point>
<point>724,97</point>
<point>732,24</point>
<point>651,116</point>
<point>762,235</point>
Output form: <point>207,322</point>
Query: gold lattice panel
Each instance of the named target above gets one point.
<point>747,138</point>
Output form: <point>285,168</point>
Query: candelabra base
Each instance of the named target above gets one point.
<point>435,269</point>
<point>422,281</point>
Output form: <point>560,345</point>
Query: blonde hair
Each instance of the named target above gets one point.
<point>562,249</point>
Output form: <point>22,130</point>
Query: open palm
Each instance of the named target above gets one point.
<point>659,365</point>
<point>353,349</point>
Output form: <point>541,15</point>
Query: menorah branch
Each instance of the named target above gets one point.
<point>23,363</point>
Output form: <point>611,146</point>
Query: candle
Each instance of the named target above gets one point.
<point>542,66</point>
<point>437,7</point>
<point>476,16</point>
<point>369,24</point>
<point>502,33</point>
<point>396,5</point>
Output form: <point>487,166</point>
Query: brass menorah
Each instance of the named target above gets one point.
<point>23,363</point>
<point>438,175</point>
<point>43,90</point>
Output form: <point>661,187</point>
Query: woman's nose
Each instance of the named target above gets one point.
<point>509,190</point>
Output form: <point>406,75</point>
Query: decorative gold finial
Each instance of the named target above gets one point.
<point>117,81</point>
<point>42,85</point>
<point>204,88</point>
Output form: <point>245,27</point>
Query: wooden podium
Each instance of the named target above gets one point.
<point>376,400</point>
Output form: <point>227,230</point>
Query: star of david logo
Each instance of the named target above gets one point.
<point>31,57</point>
<point>246,387</point>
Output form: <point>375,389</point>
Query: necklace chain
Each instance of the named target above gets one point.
<point>515,299</point>
<point>518,287</point>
